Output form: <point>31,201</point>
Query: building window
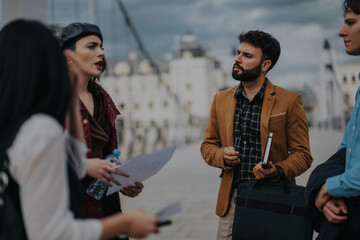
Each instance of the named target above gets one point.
<point>188,105</point>
<point>151,105</point>
<point>188,86</point>
<point>139,137</point>
<point>136,106</point>
<point>121,106</point>
<point>165,104</point>
<point>344,79</point>
<point>121,123</point>
<point>353,79</point>
<point>347,98</point>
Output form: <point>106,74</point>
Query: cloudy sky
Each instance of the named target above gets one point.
<point>300,25</point>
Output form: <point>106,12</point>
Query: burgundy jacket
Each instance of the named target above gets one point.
<point>92,207</point>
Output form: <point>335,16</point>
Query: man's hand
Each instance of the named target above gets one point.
<point>102,169</point>
<point>321,198</point>
<point>265,173</point>
<point>231,157</point>
<point>333,210</point>
<point>133,191</point>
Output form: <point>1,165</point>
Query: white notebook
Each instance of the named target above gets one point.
<point>267,150</point>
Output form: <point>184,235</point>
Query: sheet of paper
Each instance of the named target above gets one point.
<point>163,214</point>
<point>167,212</point>
<point>141,168</point>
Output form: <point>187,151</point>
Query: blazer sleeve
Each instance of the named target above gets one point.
<point>298,146</point>
<point>211,149</point>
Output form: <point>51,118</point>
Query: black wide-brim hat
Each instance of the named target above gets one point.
<point>75,31</point>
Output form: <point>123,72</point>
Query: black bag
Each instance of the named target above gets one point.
<point>271,210</point>
<point>11,220</point>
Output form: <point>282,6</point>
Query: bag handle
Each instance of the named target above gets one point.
<point>282,176</point>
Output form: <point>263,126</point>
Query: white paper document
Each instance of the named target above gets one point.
<point>165,213</point>
<point>141,168</point>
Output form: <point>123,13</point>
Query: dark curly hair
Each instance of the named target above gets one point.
<point>268,44</point>
<point>353,5</point>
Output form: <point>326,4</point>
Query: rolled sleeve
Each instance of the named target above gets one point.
<point>333,187</point>
<point>346,184</point>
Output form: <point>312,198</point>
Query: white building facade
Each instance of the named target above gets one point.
<point>349,81</point>
<point>167,109</point>
<point>335,91</point>
<point>329,112</point>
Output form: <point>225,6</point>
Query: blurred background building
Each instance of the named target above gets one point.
<point>166,101</point>
<point>166,108</point>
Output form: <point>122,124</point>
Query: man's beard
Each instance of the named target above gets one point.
<point>247,75</point>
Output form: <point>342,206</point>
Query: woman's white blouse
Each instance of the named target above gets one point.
<point>38,164</point>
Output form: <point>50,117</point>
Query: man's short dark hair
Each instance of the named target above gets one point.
<point>353,5</point>
<point>268,44</point>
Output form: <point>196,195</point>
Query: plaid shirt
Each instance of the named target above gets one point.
<point>247,133</point>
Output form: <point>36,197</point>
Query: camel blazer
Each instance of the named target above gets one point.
<point>282,113</point>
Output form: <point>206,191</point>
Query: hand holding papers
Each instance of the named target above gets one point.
<point>141,168</point>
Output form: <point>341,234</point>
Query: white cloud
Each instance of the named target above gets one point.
<point>300,26</point>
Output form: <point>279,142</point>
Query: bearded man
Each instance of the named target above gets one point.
<point>241,119</point>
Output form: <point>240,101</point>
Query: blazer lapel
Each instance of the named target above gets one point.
<point>268,104</point>
<point>230,125</point>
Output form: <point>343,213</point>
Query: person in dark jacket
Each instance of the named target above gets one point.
<point>333,190</point>
<point>98,113</point>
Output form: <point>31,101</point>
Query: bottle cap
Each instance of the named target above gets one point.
<point>116,153</point>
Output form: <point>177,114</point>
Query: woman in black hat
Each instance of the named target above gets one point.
<point>98,116</point>
<point>35,153</point>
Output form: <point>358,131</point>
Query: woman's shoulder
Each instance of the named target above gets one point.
<point>37,129</point>
<point>36,136</point>
<point>42,122</point>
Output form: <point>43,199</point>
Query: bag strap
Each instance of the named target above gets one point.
<point>4,176</point>
<point>282,176</point>
<point>6,180</point>
<point>7,183</point>
<point>11,219</point>
<point>275,207</point>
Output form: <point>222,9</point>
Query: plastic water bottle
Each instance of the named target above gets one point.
<point>97,188</point>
